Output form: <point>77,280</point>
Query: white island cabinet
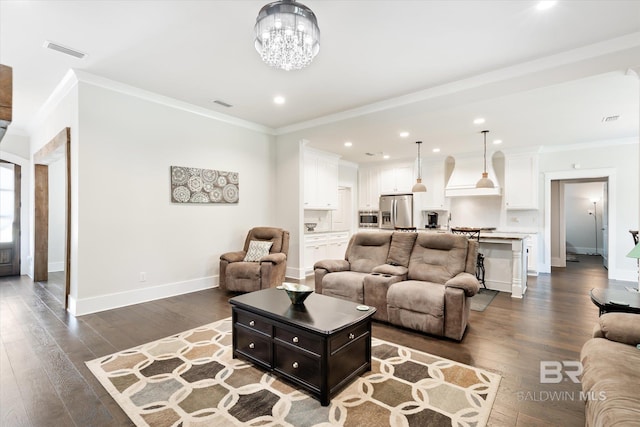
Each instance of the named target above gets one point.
<point>505,262</point>
<point>324,245</point>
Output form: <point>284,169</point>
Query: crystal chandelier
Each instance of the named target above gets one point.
<point>287,35</point>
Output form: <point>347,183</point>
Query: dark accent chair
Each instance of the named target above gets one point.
<point>242,276</point>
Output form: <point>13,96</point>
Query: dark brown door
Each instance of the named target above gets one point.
<point>9,219</point>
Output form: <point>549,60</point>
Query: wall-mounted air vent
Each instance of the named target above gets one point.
<point>224,104</point>
<point>610,119</point>
<point>63,49</point>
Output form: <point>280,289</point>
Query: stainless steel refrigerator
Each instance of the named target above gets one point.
<point>396,211</point>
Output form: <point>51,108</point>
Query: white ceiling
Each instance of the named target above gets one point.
<point>428,67</point>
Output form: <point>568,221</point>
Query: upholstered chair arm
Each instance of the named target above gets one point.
<point>233,256</point>
<point>392,270</point>
<point>465,281</point>
<point>333,265</point>
<point>619,327</point>
<point>275,258</point>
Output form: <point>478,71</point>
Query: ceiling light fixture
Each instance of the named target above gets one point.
<point>485,182</point>
<point>545,5</point>
<point>419,187</point>
<point>404,134</point>
<point>478,121</point>
<point>287,35</point>
<point>348,144</point>
<point>497,141</point>
<point>279,100</point>
<point>436,150</point>
<point>386,156</point>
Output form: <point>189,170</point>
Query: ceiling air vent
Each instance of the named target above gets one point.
<point>370,154</point>
<point>63,49</point>
<point>224,104</point>
<point>610,119</point>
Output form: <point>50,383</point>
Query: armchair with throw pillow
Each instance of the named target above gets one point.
<point>260,265</point>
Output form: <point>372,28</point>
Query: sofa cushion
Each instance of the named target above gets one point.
<point>610,378</point>
<point>414,295</point>
<point>348,285</point>
<point>368,250</point>
<point>400,248</point>
<point>438,257</point>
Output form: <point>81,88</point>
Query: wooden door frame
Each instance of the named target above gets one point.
<point>59,146</point>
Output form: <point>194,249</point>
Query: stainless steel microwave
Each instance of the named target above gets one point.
<point>368,219</point>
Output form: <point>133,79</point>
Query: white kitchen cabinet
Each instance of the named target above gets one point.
<point>532,252</point>
<point>320,180</point>
<point>324,246</point>
<point>368,189</point>
<point>521,181</point>
<point>434,179</point>
<point>398,179</point>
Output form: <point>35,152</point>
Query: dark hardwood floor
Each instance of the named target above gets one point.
<point>44,381</point>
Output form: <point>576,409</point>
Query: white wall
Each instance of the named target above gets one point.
<point>126,222</point>
<point>581,228</point>
<point>618,158</point>
<point>57,206</point>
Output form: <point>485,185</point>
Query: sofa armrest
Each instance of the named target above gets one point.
<point>619,327</point>
<point>275,258</point>
<point>333,265</point>
<point>233,256</point>
<point>393,270</point>
<point>465,281</point>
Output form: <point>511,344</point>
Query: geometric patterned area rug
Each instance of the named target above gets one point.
<point>190,379</point>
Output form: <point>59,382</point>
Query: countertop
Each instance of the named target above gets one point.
<point>485,235</point>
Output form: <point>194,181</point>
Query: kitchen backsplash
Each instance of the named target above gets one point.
<point>322,218</point>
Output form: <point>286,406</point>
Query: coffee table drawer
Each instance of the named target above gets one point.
<point>300,340</point>
<point>300,366</point>
<point>254,322</point>
<point>253,345</point>
<point>347,336</point>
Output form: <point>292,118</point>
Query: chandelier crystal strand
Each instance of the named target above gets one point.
<point>287,35</point>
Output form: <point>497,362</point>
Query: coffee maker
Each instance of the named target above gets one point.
<point>432,219</point>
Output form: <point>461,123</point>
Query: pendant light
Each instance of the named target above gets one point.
<point>419,187</point>
<point>485,182</point>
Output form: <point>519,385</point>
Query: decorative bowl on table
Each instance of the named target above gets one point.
<point>297,292</point>
<point>311,226</point>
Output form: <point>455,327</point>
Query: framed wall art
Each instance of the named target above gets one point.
<point>194,185</point>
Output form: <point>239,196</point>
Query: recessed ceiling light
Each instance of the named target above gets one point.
<point>497,141</point>
<point>436,150</point>
<point>279,100</point>
<point>478,121</point>
<point>348,144</point>
<point>545,5</point>
<point>404,134</point>
<point>386,156</point>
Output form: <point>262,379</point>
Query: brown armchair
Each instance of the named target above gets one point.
<point>239,275</point>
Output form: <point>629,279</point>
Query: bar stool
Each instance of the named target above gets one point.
<point>474,233</point>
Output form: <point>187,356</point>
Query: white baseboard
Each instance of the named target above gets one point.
<point>56,266</point>
<point>296,273</point>
<point>84,306</point>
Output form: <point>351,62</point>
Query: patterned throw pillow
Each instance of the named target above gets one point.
<point>257,249</point>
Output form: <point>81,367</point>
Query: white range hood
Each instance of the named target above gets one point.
<point>466,173</point>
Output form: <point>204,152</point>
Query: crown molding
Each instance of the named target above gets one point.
<point>611,46</point>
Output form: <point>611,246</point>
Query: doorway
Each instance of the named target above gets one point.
<point>57,150</point>
<point>10,202</point>
<point>585,221</point>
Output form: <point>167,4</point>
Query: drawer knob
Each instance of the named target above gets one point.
<point>295,339</point>
<point>295,365</point>
<point>251,345</point>
<point>252,323</point>
<point>351,336</point>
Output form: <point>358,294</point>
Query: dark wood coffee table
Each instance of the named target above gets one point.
<point>320,346</point>
<point>620,300</point>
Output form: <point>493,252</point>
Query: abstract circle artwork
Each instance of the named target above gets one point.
<point>193,185</point>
